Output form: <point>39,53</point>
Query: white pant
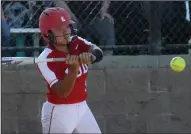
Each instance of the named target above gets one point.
<point>68,118</point>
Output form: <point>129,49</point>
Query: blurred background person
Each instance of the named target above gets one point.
<point>5,33</point>
<point>131,26</point>
<point>16,15</point>
<point>5,30</point>
<point>92,20</point>
<point>174,22</point>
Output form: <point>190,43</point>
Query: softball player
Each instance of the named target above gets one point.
<point>66,110</point>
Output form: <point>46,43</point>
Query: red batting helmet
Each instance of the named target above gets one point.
<point>51,18</point>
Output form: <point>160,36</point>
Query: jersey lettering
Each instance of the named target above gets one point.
<point>82,70</point>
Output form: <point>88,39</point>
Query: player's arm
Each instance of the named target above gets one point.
<point>97,53</point>
<point>90,50</point>
<point>62,87</point>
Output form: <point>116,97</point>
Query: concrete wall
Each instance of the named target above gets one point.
<point>126,94</point>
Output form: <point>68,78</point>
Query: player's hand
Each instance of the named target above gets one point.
<point>85,58</point>
<point>73,61</point>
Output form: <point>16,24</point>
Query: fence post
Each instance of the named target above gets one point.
<point>20,40</point>
<point>155,42</point>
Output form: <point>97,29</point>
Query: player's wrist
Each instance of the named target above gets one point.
<point>74,69</point>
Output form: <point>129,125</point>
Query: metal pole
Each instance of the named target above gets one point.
<point>155,28</point>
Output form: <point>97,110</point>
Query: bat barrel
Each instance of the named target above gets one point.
<point>28,60</point>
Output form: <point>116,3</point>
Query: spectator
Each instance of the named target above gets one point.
<point>5,30</point>
<point>188,7</point>
<point>17,17</point>
<point>187,10</point>
<point>130,24</point>
<point>92,19</point>
<point>17,14</point>
<point>5,34</point>
<point>34,10</point>
<point>174,23</point>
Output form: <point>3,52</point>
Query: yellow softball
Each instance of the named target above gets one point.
<point>177,64</point>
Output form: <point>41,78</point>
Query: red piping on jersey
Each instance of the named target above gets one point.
<point>51,119</point>
<point>53,81</point>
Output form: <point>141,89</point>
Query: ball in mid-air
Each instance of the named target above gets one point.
<point>177,64</point>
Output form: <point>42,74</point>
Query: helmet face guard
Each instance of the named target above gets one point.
<point>52,18</point>
<point>52,38</point>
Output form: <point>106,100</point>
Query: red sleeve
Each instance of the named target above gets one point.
<point>85,45</point>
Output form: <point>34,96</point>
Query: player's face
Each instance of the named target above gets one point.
<point>62,34</point>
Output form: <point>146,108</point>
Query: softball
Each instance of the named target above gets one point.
<point>177,64</point>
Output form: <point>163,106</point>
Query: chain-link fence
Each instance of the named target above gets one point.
<point>126,27</point>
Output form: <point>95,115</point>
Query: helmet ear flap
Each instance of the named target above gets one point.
<point>51,37</point>
<point>73,31</point>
